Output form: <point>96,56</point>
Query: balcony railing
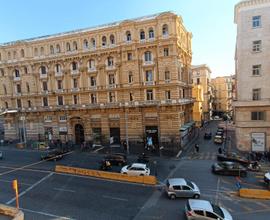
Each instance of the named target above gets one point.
<point>92,69</point>
<point>17,78</point>
<point>147,63</point>
<point>74,72</point>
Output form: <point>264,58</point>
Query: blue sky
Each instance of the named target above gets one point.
<point>210,21</point>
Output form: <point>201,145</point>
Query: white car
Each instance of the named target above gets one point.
<point>136,169</point>
<point>196,209</point>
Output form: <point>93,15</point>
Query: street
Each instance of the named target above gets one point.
<point>48,195</point>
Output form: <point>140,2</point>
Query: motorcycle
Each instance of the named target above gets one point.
<point>105,165</point>
<point>254,166</point>
<point>143,158</point>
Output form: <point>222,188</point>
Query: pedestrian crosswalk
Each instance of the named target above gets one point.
<point>202,156</point>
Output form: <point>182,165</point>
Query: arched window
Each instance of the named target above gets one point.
<point>128,36</point>
<point>25,70</point>
<point>93,42</point>
<point>9,56</point>
<point>51,49</point>
<point>5,89</point>
<point>17,73</point>
<point>74,45</point>
<point>110,61</point>
<point>165,30</point>
<point>43,70</point>
<point>147,56</point>
<point>142,35</point>
<point>104,41</point>
<point>85,44</point>
<point>112,40</point>
<point>58,49</point>
<point>58,68</point>
<point>74,66</point>
<point>42,51</point>
<point>91,64</point>
<point>22,53</point>
<point>68,48</point>
<point>14,55</point>
<point>151,33</point>
<point>27,87</point>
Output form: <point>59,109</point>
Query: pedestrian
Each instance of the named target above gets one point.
<point>197,148</point>
<point>220,150</point>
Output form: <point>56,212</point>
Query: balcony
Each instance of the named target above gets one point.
<point>43,76</point>
<point>75,89</point>
<point>93,87</point>
<point>110,67</point>
<point>251,103</point>
<point>17,78</point>
<point>92,69</point>
<point>59,90</point>
<point>111,86</point>
<point>165,36</point>
<point>148,63</point>
<point>149,83</point>
<point>74,72</point>
<point>59,74</point>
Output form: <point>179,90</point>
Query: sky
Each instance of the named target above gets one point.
<point>210,21</point>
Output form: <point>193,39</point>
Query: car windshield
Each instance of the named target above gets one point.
<point>128,166</point>
<point>190,184</point>
<point>218,210</point>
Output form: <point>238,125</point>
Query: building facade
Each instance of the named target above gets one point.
<point>252,105</point>
<point>201,75</point>
<point>223,95</point>
<point>120,81</point>
<point>198,95</point>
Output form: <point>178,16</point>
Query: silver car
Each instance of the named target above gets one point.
<point>204,210</point>
<point>179,187</point>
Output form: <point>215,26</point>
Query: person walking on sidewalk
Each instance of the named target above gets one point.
<point>197,148</point>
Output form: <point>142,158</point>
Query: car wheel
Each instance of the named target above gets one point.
<point>141,174</point>
<point>172,196</point>
<point>125,173</point>
<point>196,196</point>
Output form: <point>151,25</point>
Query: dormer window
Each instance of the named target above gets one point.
<point>110,61</point>
<point>142,35</point>
<point>104,41</point>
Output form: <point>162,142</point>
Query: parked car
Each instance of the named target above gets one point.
<point>207,135</point>
<point>221,129</point>
<point>219,133</point>
<point>136,169</point>
<point>267,179</point>
<point>203,209</point>
<point>52,155</point>
<point>233,157</point>
<point>229,168</point>
<point>216,117</point>
<point>179,187</point>
<point>218,139</point>
<point>116,159</point>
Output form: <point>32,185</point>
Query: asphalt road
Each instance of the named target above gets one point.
<point>48,195</point>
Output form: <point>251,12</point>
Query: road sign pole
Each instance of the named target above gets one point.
<point>15,187</point>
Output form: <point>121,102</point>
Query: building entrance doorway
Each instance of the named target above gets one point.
<point>151,133</point>
<point>114,136</point>
<point>79,134</point>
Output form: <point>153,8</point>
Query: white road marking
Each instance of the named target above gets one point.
<point>115,198</point>
<point>179,153</point>
<point>31,187</point>
<point>10,181</point>
<point>64,190</point>
<point>98,149</point>
<point>27,169</point>
<point>46,214</point>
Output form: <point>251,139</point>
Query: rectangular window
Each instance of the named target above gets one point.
<point>45,86</point>
<point>93,81</point>
<point>256,94</point>
<point>167,76</point>
<point>130,77</point>
<point>59,84</point>
<point>168,95</point>
<point>149,95</point>
<point>166,52</point>
<point>256,21</point>
<point>93,98</point>
<point>148,76</point>
<point>111,97</point>
<point>43,70</point>
<point>75,99</point>
<point>111,79</point>
<point>256,46</point>
<point>257,116</point>
<point>58,68</point>
<point>29,103</point>
<point>75,83</point>
<point>62,118</point>
<point>19,103</point>
<point>45,101</point>
<point>130,96</point>
<point>129,56</point>
<point>19,90</point>
<point>198,81</point>
<point>60,100</point>
<point>256,70</point>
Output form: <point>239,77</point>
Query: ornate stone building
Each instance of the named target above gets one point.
<point>125,80</point>
<point>252,104</point>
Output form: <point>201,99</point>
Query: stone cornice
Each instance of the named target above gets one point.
<point>246,3</point>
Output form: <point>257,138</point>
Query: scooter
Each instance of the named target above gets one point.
<point>254,166</point>
<point>105,166</point>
